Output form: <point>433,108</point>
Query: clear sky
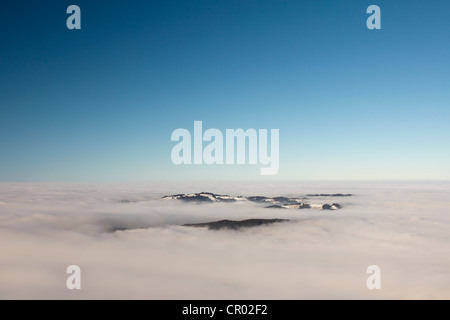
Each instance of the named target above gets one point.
<point>100,103</point>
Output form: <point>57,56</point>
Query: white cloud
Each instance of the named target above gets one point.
<point>403,228</point>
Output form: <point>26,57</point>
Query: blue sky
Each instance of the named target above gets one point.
<point>100,103</point>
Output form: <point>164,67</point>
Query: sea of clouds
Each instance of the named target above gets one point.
<point>403,227</point>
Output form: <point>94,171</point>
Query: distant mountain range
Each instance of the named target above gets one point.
<point>272,202</point>
<point>235,225</point>
<point>279,202</point>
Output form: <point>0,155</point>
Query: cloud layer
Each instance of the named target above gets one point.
<point>44,228</point>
